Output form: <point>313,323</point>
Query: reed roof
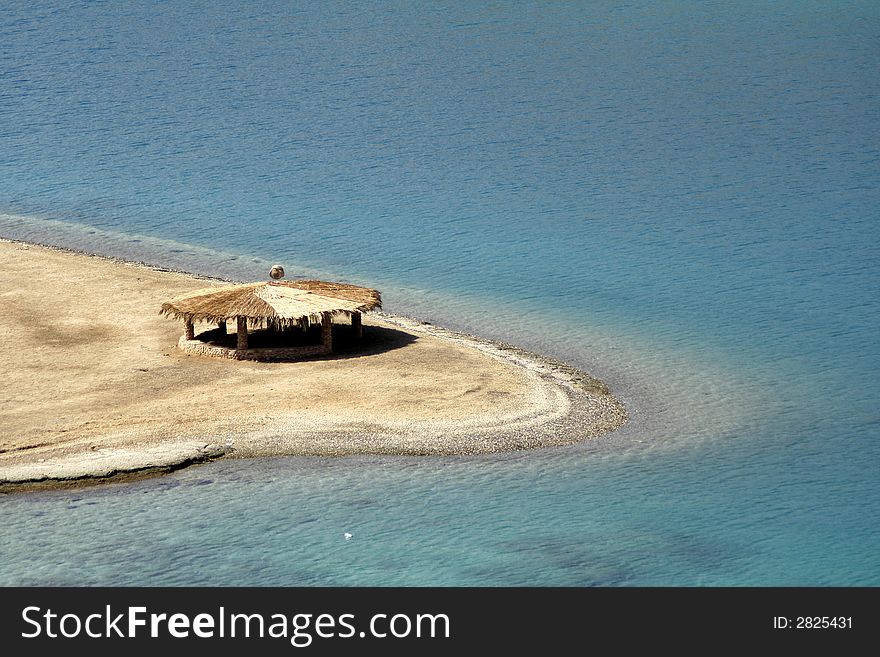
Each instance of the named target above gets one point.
<point>273,303</point>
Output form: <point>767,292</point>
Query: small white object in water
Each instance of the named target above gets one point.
<point>347,536</point>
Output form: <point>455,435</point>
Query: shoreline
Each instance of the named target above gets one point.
<point>432,391</point>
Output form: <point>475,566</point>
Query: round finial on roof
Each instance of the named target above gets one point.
<point>276,272</point>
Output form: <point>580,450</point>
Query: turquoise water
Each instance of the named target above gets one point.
<point>680,198</point>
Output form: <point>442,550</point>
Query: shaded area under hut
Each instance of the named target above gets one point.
<point>274,320</point>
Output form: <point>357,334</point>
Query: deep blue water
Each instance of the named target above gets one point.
<point>680,198</point>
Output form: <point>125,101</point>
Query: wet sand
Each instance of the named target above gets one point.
<point>94,387</point>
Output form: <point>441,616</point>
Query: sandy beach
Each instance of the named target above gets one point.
<point>94,387</point>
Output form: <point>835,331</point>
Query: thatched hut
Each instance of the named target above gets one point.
<point>273,305</point>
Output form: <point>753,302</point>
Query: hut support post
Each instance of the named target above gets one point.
<point>357,327</point>
<point>222,326</point>
<point>188,330</point>
<point>242,333</point>
<point>327,332</point>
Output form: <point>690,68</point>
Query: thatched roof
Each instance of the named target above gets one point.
<point>275,303</point>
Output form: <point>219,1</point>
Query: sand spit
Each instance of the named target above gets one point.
<point>95,388</point>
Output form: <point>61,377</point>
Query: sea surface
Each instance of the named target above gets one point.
<point>679,197</point>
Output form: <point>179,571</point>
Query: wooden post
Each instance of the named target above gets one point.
<point>327,331</point>
<point>188,330</point>
<point>222,326</point>
<point>242,333</point>
<point>357,328</point>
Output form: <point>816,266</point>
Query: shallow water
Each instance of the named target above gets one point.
<point>680,199</point>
